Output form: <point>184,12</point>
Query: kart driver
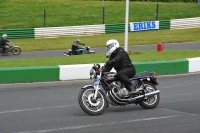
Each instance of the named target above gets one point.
<point>75,46</point>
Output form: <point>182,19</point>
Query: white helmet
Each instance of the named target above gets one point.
<point>77,40</point>
<point>111,46</point>
<point>4,36</point>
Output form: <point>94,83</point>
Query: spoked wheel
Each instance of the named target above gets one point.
<point>149,102</point>
<point>16,51</point>
<point>90,105</point>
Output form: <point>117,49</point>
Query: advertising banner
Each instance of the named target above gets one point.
<point>147,25</point>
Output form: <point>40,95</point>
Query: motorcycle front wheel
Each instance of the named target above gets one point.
<point>149,102</point>
<point>89,105</point>
<point>16,51</point>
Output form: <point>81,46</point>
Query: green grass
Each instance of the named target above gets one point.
<point>30,13</point>
<point>136,56</point>
<point>135,38</point>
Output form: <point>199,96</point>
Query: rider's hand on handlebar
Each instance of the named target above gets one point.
<point>110,62</point>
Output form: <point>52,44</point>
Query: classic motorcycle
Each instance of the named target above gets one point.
<point>81,50</point>
<point>15,50</point>
<point>94,100</point>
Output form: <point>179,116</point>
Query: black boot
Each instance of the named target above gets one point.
<point>133,90</point>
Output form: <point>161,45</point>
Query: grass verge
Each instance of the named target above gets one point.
<point>136,56</point>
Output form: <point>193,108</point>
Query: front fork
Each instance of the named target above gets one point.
<point>96,89</point>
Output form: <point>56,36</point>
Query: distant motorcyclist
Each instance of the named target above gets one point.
<point>120,60</point>
<point>75,46</point>
<point>3,43</point>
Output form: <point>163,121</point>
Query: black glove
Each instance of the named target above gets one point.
<point>110,62</point>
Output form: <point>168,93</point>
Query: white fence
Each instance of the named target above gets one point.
<point>69,31</point>
<point>185,23</point>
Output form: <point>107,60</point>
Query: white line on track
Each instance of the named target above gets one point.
<point>24,110</point>
<point>98,124</point>
<point>170,110</point>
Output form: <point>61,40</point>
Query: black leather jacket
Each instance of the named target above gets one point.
<point>121,61</point>
<point>3,42</point>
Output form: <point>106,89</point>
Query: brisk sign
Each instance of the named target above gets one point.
<point>148,25</point>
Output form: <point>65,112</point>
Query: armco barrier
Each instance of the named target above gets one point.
<point>18,33</point>
<point>94,29</point>
<point>81,71</point>
<point>185,23</point>
<point>69,31</point>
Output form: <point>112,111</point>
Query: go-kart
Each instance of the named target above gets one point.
<point>81,50</point>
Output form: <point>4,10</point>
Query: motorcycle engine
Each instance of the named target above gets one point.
<point>123,92</point>
<point>119,89</point>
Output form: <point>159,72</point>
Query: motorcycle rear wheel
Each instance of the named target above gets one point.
<point>89,105</point>
<point>150,102</point>
<point>16,51</point>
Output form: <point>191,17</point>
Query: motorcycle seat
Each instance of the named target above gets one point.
<point>142,74</point>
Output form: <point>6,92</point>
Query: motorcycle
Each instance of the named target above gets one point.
<point>81,50</point>
<point>15,50</point>
<point>93,100</point>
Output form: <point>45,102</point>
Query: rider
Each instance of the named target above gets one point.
<point>3,42</point>
<point>75,46</point>
<point>120,60</point>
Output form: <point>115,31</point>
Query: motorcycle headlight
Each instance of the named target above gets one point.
<point>154,74</point>
<point>92,73</point>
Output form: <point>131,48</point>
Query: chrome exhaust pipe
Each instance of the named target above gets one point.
<point>146,95</point>
<point>121,101</point>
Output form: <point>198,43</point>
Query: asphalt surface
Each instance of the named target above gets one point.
<point>169,46</point>
<point>52,107</point>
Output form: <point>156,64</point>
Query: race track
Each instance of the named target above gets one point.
<point>52,107</point>
<point>171,46</point>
